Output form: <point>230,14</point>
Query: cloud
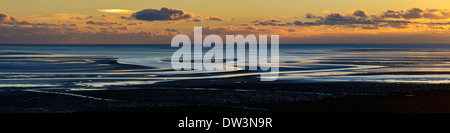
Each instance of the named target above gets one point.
<point>197,20</point>
<point>292,30</point>
<point>77,18</point>
<point>133,23</point>
<point>7,19</point>
<point>163,14</point>
<point>285,17</point>
<point>270,22</point>
<point>321,34</point>
<point>172,22</point>
<point>101,22</point>
<point>417,13</point>
<point>213,18</point>
<point>359,13</point>
<point>171,30</point>
<point>424,37</point>
<point>311,16</point>
<point>36,35</point>
<point>108,18</point>
<point>413,13</point>
<point>80,35</point>
<point>245,30</point>
<point>436,14</point>
<point>126,17</point>
<point>118,11</point>
<point>105,20</point>
<point>17,30</point>
<point>356,18</point>
<point>355,26</point>
<point>57,17</point>
<point>12,20</point>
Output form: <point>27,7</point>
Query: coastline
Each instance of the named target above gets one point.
<point>43,81</point>
<point>375,98</point>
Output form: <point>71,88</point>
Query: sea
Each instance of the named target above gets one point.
<point>87,67</point>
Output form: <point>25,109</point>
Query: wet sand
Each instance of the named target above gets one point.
<point>55,83</point>
<point>310,98</point>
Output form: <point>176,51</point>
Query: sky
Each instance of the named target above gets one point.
<point>157,21</point>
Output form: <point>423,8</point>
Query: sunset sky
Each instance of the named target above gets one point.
<point>156,21</point>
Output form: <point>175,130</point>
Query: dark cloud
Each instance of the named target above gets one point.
<point>369,27</point>
<point>244,24</point>
<point>171,30</point>
<point>357,19</point>
<point>300,23</point>
<point>17,30</point>
<point>172,22</point>
<point>311,16</point>
<point>417,13</point>
<point>334,18</point>
<point>213,18</point>
<point>77,18</point>
<point>356,16</point>
<point>69,24</point>
<point>425,37</point>
<point>126,17</point>
<point>413,13</point>
<point>436,14</point>
<point>392,14</point>
<point>132,24</point>
<point>79,35</point>
<point>162,14</point>
<point>292,30</point>
<point>359,13</point>
<point>101,22</point>
<point>118,28</point>
<point>250,28</point>
<point>197,20</point>
<point>105,20</point>
<point>271,22</point>
<point>8,19</point>
<point>11,20</point>
<point>338,18</point>
<point>244,30</point>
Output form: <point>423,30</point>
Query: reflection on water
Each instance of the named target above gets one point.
<point>94,67</point>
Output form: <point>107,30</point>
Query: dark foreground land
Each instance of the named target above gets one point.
<point>290,98</point>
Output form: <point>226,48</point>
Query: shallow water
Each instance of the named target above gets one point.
<point>94,67</point>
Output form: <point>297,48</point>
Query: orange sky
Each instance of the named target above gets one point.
<point>296,21</point>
